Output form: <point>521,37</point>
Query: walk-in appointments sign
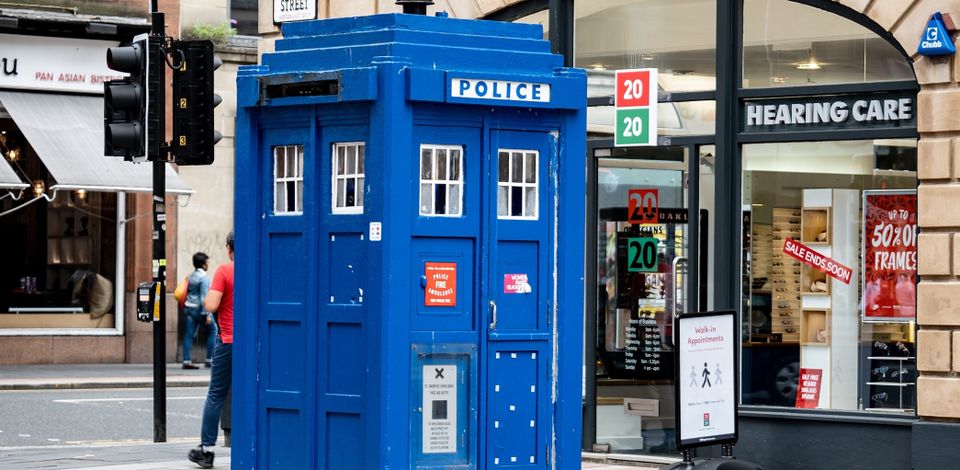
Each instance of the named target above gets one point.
<point>636,105</point>
<point>706,379</point>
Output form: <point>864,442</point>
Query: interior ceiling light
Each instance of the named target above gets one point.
<point>810,64</point>
<point>598,67</point>
<point>39,187</point>
<point>779,79</point>
<point>647,57</point>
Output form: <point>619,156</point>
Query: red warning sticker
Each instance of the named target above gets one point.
<point>441,288</point>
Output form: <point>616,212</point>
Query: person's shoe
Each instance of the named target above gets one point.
<point>201,457</point>
<point>190,365</point>
<point>207,364</point>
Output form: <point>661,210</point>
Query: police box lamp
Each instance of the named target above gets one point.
<point>415,7</point>
<point>194,137</point>
<point>125,102</point>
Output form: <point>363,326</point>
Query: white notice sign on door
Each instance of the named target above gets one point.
<point>439,409</point>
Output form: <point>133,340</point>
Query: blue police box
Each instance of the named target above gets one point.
<point>410,237</point>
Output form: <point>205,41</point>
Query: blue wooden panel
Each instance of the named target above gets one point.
<point>288,267</point>
<point>345,444</point>
<point>347,267</point>
<point>518,287</point>
<point>517,395</point>
<point>443,250</point>
<point>285,355</point>
<point>285,449</point>
<point>345,358</point>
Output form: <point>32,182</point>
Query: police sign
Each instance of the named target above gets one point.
<point>499,90</point>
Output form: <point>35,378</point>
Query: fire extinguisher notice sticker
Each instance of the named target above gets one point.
<point>441,287</point>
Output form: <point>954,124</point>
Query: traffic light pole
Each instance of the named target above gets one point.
<point>159,245</point>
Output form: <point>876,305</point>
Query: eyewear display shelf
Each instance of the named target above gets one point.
<point>897,392</point>
<point>785,273</point>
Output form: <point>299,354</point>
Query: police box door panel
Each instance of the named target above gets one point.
<point>518,293</point>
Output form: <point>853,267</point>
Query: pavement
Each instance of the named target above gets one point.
<point>85,376</point>
<point>145,455</point>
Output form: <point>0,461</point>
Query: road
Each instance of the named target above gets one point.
<point>91,417</point>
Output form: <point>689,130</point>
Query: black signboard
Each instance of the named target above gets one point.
<point>832,112</point>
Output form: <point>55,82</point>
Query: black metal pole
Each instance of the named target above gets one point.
<point>159,242</point>
<point>561,29</point>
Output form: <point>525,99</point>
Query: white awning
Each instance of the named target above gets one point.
<point>8,178</point>
<point>66,131</point>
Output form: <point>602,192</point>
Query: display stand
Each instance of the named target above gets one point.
<point>829,315</point>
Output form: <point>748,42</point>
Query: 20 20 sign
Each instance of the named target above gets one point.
<point>642,255</point>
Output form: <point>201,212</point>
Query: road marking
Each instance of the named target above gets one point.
<point>92,400</point>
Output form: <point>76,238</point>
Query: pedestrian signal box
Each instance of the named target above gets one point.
<point>409,213</point>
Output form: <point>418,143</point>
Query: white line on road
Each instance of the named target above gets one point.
<point>90,400</point>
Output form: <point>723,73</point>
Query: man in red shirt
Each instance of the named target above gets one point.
<point>220,301</point>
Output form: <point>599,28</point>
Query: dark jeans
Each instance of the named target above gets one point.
<point>194,318</point>
<point>220,379</point>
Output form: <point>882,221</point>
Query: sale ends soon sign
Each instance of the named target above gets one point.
<point>441,288</point>
<point>820,262</point>
<point>636,108</point>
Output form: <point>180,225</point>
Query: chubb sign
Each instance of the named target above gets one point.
<point>833,112</point>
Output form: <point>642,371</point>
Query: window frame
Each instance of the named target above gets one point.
<point>521,184</point>
<point>434,182</point>
<point>296,178</point>
<point>334,177</point>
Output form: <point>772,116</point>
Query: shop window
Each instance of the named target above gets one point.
<point>789,44</point>
<point>288,179</point>
<point>829,275</point>
<point>62,274</point>
<point>243,16</point>
<point>441,180</point>
<point>517,185</point>
<point>348,178</point>
<point>676,38</point>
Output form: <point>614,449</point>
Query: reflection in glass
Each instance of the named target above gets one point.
<point>676,37</point>
<point>789,44</point>
<point>795,315</point>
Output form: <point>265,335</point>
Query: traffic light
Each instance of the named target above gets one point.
<point>125,101</point>
<point>193,101</point>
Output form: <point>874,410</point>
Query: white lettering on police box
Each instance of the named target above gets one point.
<point>499,90</point>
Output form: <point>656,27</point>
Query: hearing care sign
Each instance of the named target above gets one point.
<point>862,111</point>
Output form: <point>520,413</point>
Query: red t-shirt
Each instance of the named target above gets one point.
<point>223,283</point>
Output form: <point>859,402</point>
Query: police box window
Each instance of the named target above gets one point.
<point>441,180</point>
<point>517,185</point>
<point>348,178</point>
<point>288,179</point>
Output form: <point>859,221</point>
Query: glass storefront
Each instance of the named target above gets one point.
<point>60,248</point>
<point>814,335</point>
<point>828,248</point>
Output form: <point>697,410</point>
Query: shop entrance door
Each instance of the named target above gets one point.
<point>646,275</point>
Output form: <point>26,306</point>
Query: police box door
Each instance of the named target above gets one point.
<point>518,292</point>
